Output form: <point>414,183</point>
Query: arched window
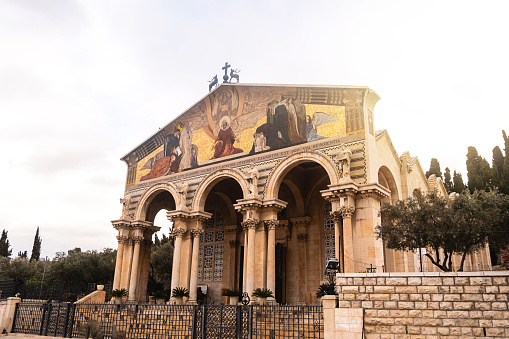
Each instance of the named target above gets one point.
<point>210,261</point>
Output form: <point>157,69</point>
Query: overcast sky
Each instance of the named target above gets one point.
<point>84,82</point>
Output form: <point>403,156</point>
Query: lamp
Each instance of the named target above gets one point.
<point>332,264</point>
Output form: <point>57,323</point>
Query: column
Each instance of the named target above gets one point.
<point>122,239</point>
<point>126,264</point>
<point>185,260</point>
<point>250,226</point>
<point>135,268</point>
<point>244,275</point>
<point>271,254</point>
<point>193,285</point>
<point>347,212</point>
<point>175,275</point>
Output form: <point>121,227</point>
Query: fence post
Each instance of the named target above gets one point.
<point>73,312</point>
<point>44,311</point>
<point>329,316</point>
<point>7,322</point>
<point>250,322</point>
<point>48,318</point>
<point>204,322</point>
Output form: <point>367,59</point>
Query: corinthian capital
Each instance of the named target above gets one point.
<point>336,215</point>
<point>138,239</point>
<point>250,223</point>
<point>196,232</point>
<point>347,211</point>
<point>122,239</point>
<point>271,224</point>
<point>177,232</point>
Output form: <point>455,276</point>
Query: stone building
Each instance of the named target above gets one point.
<point>263,183</point>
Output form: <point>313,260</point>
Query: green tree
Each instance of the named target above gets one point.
<point>457,182</point>
<point>4,245</point>
<point>460,226</point>
<point>36,248</point>
<point>447,180</point>
<point>161,261</point>
<point>22,254</point>
<point>478,171</point>
<point>434,168</point>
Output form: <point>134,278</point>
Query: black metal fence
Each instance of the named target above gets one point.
<point>116,321</point>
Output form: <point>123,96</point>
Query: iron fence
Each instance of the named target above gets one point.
<point>118,321</point>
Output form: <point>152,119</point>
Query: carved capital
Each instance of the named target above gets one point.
<point>271,224</point>
<point>250,223</point>
<point>122,239</point>
<point>302,237</point>
<point>177,232</point>
<point>138,239</point>
<point>336,215</point>
<point>347,211</point>
<point>196,232</point>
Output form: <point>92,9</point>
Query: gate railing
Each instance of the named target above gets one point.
<point>115,321</point>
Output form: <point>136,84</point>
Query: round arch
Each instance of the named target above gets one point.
<point>206,185</point>
<point>386,179</point>
<point>149,195</point>
<point>279,172</point>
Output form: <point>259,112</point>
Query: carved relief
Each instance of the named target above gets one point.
<point>177,232</point>
<point>126,201</point>
<point>196,232</point>
<point>122,239</point>
<point>347,211</point>
<point>252,179</point>
<point>138,239</point>
<point>250,223</point>
<point>271,224</point>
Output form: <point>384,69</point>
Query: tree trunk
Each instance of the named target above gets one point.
<point>463,256</point>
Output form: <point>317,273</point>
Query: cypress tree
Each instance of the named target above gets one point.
<point>36,249</point>
<point>4,245</point>
<point>478,171</point>
<point>434,168</point>
<point>447,180</point>
<point>457,182</point>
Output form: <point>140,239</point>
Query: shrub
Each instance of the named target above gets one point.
<point>180,292</point>
<point>262,293</point>
<point>119,293</point>
<point>233,293</point>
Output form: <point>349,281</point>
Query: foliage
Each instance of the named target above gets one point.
<point>180,292</point>
<point>36,248</point>
<point>504,259</point>
<point>434,168</point>
<point>86,267</point>
<point>233,293</point>
<point>457,183</point>
<point>326,288</point>
<point>161,262</point>
<point>92,329</point>
<point>4,245</point>
<point>20,269</point>
<point>119,293</point>
<point>460,226</point>
<point>262,293</point>
<point>23,254</point>
<point>447,180</point>
<point>478,171</point>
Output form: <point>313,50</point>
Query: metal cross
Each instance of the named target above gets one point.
<point>225,76</point>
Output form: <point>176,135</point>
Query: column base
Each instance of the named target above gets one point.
<point>192,302</point>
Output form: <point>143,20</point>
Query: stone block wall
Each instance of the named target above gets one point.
<point>429,305</point>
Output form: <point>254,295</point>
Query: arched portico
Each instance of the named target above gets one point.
<point>279,172</point>
<point>148,197</point>
<point>206,185</point>
<point>386,179</point>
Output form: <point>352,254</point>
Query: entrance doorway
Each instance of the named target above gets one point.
<point>280,273</point>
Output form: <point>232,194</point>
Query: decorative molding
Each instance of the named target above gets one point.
<point>336,215</point>
<point>347,211</point>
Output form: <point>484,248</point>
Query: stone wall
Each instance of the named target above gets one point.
<point>428,305</point>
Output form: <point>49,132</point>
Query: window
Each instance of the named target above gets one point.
<point>210,261</point>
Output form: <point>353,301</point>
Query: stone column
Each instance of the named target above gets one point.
<point>127,264</point>
<point>244,275</point>
<point>271,254</point>
<point>193,285</point>
<point>175,275</point>
<point>122,239</point>
<point>135,268</point>
<point>349,264</point>
<point>250,226</point>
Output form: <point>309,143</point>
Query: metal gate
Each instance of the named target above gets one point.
<point>149,321</point>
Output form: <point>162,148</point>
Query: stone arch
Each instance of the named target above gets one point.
<point>206,185</point>
<point>150,194</point>
<point>386,179</point>
<point>279,172</point>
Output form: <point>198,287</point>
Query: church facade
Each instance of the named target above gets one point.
<point>264,183</point>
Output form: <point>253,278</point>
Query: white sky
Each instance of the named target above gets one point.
<point>84,82</point>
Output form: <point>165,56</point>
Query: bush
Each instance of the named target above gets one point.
<point>119,293</point>
<point>180,292</point>
<point>262,293</point>
<point>233,293</point>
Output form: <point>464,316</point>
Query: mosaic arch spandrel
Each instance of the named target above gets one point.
<point>235,121</point>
